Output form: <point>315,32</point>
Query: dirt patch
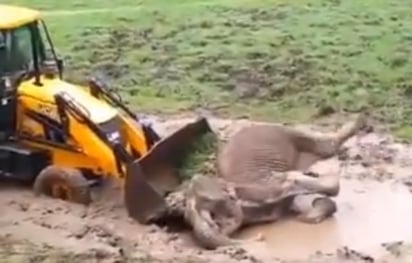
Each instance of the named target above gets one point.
<point>371,223</point>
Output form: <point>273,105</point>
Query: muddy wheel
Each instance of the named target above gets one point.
<point>63,183</point>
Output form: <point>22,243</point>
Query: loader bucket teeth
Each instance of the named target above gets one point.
<point>157,173</point>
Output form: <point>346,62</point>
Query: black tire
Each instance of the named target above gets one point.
<point>63,183</point>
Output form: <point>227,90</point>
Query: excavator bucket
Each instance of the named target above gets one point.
<point>151,177</point>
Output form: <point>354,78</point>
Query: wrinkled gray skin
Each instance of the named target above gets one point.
<point>265,172</point>
<point>215,208</point>
<point>255,155</point>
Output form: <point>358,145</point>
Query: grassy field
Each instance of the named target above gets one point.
<point>270,59</point>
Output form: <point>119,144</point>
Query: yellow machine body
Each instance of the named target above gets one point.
<point>83,148</point>
<point>86,130</point>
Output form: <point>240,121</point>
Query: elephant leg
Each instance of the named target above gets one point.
<point>326,145</point>
<point>313,208</point>
<point>326,184</point>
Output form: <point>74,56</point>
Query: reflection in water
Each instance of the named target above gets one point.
<point>369,213</point>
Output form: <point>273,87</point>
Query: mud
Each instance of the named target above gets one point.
<point>370,214</point>
<point>371,225</point>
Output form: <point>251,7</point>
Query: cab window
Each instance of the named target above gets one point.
<point>16,50</point>
<point>21,52</point>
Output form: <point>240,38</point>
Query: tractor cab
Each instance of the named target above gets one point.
<point>22,57</point>
<point>23,39</point>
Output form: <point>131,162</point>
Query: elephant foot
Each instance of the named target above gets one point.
<point>313,208</point>
<point>351,128</point>
<point>327,145</point>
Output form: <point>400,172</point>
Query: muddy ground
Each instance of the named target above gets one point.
<point>372,224</point>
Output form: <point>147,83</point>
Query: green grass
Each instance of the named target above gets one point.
<point>269,59</point>
<point>200,157</point>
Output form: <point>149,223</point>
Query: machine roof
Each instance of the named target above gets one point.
<point>15,16</point>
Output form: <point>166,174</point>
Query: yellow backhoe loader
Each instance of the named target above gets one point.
<point>60,137</point>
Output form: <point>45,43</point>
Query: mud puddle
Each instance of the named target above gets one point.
<point>370,214</point>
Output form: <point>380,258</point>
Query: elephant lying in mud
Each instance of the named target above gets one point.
<point>215,208</point>
<point>264,172</point>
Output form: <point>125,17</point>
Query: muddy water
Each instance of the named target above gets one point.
<point>370,213</point>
